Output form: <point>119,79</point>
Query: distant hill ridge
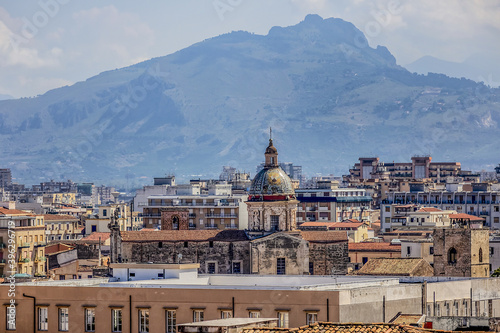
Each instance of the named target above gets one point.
<point>329,97</point>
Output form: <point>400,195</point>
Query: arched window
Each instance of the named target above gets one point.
<point>452,256</point>
<point>480,255</point>
<point>175,222</point>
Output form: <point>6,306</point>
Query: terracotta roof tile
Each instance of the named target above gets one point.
<point>375,247</point>
<point>324,236</point>
<point>393,266</point>
<point>58,217</point>
<point>183,235</point>
<point>463,216</point>
<point>6,211</point>
<point>95,236</point>
<point>323,327</point>
<point>429,209</point>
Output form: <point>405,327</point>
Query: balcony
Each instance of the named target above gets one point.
<point>222,216</point>
<point>192,215</point>
<point>232,227</point>
<point>192,226</point>
<point>40,259</point>
<point>39,244</point>
<point>24,245</point>
<point>2,261</point>
<point>211,226</point>
<point>24,260</point>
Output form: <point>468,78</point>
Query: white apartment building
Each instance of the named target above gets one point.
<point>483,201</point>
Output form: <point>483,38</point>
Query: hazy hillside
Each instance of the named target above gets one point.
<point>328,98</point>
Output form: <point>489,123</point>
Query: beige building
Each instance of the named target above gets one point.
<point>28,234</point>
<point>156,298</point>
<point>61,227</point>
<point>126,220</point>
<point>210,211</point>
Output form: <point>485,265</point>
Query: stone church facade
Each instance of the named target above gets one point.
<point>271,244</point>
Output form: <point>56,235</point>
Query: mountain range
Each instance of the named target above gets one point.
<point>328,96</point>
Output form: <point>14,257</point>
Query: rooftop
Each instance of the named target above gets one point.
<point>323,327</point>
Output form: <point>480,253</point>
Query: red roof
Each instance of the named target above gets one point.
<point>6,211</point>
<point>462,216</point>
<point>95,236</point>
<point>324,236</point>
<point>183,235</point>
<point>429,209</point>
<point>58,217</point>
<point>375,247</point>
<point>350,225</point>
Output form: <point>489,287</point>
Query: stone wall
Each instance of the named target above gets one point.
<point>171,215</point>
<point>466,243</point>
<point>223,254</point>
<point>266,250</point>
<point>328,258</point>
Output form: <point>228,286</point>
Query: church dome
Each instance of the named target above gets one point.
<point>271,182</point>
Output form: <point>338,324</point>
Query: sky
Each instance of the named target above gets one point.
<point>47,44</point>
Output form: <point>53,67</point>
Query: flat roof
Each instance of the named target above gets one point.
<point>154,266</point>
<point>229,322</point>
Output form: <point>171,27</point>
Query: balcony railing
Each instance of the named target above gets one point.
<point>40,259</point>
<point>24,260</point>
<point>38,244</point>
<point>24,245</point>
<point>192,226</point>
<point>231,227</point>
<point>222,216</point>
<point>211,226</point>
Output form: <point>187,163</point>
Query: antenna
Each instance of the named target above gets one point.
<point>270,133</point>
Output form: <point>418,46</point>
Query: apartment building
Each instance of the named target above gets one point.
<point>126,220</point>
<point>410,216</point>
<point>28,232</point>
<point>481,200</point>
<point>158,297</point>
<point>329,203</point>
<point>5,178</point>
<point>212,211</point>
<point>61,227</point>
<point>420,167</point>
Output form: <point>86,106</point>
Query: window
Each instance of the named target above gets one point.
<point>452,256</point>
<point>478,308</point>
<point>480,254</point>
<point>197,315</point>
<point>11,318</point>
<point>496,219</point>
<point>429,310</point>
<point>171,321</point>
<point>236,267</point>
<point>94,228</point>
<point>160,245</point>
<point>254,314</point>
<point>63,319</point>
<point>143,320</point>
<point>364,260</point>
<point>311,317</point>
<point>211,267</point>
<point>104,212</point>
<point>431,250</point>
<point>43,320</point>
<point>275,222</point>
<point>211,244</point>
<point>280,266</point>
<point>408,251</point>
<point>116,320</point>
<point>175,222</point>
<point>224,314</point>
<point>89,320</point>
<point>283,319</point>
<point>185,244</point>
<point>387,209</point>
<point>311,267</point>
